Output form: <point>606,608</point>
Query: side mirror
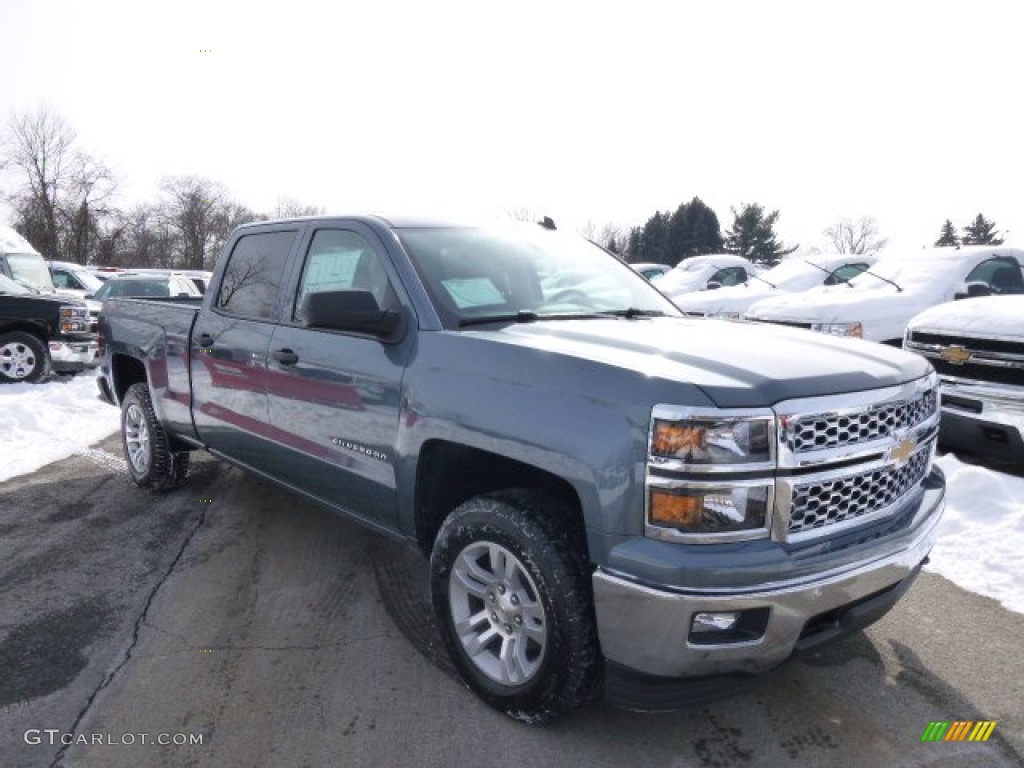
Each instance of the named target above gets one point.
<point>973,291</point>
<point>714,285</point>
<point>89,296</point>
<point>355,311</point>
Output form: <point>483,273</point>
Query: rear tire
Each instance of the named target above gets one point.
<point>511,590</point>
<point>23,358</point>
<point>151,463</point>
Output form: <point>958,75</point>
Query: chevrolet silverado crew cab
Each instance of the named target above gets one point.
<point>613,497</point>
<point>977,347</point>
<point>877,304</point>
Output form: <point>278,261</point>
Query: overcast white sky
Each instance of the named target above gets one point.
<point>908,112</point>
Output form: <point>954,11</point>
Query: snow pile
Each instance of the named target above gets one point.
<point>42,423</point>
<point>981,536</point>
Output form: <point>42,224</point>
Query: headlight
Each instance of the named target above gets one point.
<point>74,319</point>
<point>691,452</point>
<point>712,441</point>
<point>727,315</point>
<point>711,509</point>
<point>840,329</point>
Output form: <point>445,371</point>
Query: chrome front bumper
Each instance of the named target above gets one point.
<point>74,355</point>
<point>647,630</point>
<point>977,400</point>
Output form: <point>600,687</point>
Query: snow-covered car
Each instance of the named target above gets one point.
<point>652,271</point>
<point>794,275</point>
<point>977,348</point>
<point>700,273</point>
<point>878,304</point>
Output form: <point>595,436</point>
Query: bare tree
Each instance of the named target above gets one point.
<point>64,191</point>
<point>860,237</point>
<point>193,208</point>
<point>290,208</point>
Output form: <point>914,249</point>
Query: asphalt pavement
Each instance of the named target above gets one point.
<point>243,626</point>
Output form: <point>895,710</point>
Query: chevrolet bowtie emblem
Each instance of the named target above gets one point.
<point>902,451</point>
<point>956,355</point>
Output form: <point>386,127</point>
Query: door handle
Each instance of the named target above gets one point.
<point>204,340</point>
<point>285,356</point>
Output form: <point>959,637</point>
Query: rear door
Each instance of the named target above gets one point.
<point>335,397</point>
<point>228,360</point>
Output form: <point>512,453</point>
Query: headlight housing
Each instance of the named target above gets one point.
<point>690,453</point>
<point>840,329</point>
<point>74,319</point>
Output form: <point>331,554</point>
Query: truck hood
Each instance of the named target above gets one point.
<point>732,298</point>
<point>841,305</point>
<point>985,317</point>
<point>736,364</point>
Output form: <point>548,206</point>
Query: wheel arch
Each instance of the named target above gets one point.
<point>450,473</point>
<point>125,371</point>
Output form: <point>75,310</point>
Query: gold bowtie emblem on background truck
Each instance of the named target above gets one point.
<point>956,355</point>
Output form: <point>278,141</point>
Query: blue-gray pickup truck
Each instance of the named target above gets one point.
<point>614,498</point>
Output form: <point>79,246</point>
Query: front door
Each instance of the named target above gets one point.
<point>335,397</point>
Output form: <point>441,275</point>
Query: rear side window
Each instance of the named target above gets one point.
<point>254,273</point>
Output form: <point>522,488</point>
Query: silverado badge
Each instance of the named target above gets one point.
<point>956,355</point>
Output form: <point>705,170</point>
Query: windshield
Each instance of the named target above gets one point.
<point>9,286</point>
<point>30,268</point>
<point>908,273</point>
<point>503,271</point>
<point>141,287</point>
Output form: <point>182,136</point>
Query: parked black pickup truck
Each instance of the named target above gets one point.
<point>42,332</point>
<point>613,496</point>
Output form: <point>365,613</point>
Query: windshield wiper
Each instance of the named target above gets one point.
<point>632,312</point>
<point>758,277</point>
<point>528,316</point>
<point>893,283</point>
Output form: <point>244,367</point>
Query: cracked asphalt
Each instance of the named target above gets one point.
<point>284,636</point>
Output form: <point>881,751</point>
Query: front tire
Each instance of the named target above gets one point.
<point>511,589</point>
<point>23,358</point>
<point>151,462</point>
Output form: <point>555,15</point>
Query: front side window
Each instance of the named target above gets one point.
<point>339,260</point>
<point>1001,274</point>
<point>729,276</point>
<point>845,273</point>
<point>253,275</point>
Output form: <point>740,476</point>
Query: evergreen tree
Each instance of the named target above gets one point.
<point>634,245</point>
<point>752,235</point>
<point>654,240</point>
<point>613,245</point>
<point>948,237</point>
<point>693,230</point>
<point>981,231</point>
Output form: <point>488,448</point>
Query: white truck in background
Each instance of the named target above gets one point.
<point>878,304</point>
<point>977,348</point>
<point>794,275</point>
<point>708,272</point>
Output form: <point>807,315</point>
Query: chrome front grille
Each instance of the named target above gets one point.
<point>823,503</point>
<point>847,460</point>
<point>836,430</point>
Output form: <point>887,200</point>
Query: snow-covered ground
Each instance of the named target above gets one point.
<point>42,423</point>
<point>980,547</point>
